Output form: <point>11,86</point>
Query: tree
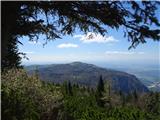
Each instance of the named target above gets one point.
<point>12,59</point>
<point>100,86</point>
<point>122,98</point>
<point>36,72</point>
<point>108,96</point>
<point>70,92</point>
<point>99,92</point>
<point>65,88</point>
<point>135,96</point>
<point>153,103</point>
<point>54,19</point>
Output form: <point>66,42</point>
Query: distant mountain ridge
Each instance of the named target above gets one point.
<point>88,75</point>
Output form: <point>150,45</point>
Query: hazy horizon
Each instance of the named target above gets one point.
<point>116,66</point>
<point>111,49</point>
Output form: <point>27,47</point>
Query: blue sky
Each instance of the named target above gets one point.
<point>112,48</point>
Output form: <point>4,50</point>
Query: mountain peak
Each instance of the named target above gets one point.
<point>76,63</point>
<point>88,75</point>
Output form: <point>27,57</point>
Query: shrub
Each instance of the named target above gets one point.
<point>27,98</point>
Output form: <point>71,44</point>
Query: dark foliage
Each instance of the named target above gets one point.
<point>99,92</point>
<point>27,98</point>
<point>54,19</point>
<point>12,59</point>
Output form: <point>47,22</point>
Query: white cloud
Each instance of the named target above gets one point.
<point>93,37</point>
<point>35,42</point>
<point>123,52</point>
<point>29,52</point>
<point>67,45</point>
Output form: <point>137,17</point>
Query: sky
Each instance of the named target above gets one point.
<point>111,48</point>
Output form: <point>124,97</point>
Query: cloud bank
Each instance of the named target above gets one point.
<point>67,45</point>
<point>91,37</point>
<point>123,52</point>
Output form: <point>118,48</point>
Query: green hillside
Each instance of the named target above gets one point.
<point>28,98</point>
<point>88,75</point>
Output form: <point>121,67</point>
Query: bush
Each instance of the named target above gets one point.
<point>27,98</point>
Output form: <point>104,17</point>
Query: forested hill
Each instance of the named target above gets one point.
<point>88,75</point>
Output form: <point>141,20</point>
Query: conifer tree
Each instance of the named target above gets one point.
<point>135,96</point>
<point>65,88</point>
<point>36,72</point>
<point>99,92</point>
<point>108,93</point>
<point>12,59</point>
<point>100,86</point>
<point>70,92</point>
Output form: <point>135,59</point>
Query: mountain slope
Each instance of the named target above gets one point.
<point>88,75</point>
